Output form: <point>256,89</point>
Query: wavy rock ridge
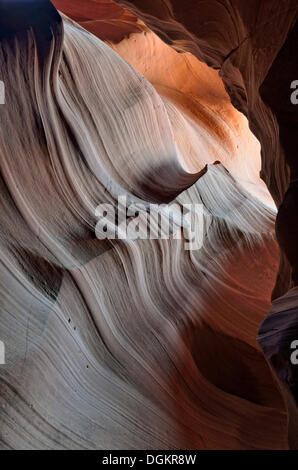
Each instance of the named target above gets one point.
<point>135,344</point>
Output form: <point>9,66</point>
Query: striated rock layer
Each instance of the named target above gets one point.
<point>242,41</point>
<point>138,344</point>
<point>254,46</point>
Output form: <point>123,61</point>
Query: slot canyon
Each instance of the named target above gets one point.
<point>148,342</point>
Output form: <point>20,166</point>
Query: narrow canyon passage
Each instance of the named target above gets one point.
<point>141,343</point>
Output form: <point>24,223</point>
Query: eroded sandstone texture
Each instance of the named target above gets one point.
<point>254,45</point>
<point>141,344</point>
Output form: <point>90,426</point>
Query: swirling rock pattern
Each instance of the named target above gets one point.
<point>137,344</point>
<point>255,48</point>
<point>250,45</point>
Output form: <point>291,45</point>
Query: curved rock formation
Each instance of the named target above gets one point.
<point>139,343</point>
<point>101,17</point>
<point>246,44</point>
<point>255,48</point>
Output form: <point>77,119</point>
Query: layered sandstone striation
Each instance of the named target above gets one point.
<point>141,343</point>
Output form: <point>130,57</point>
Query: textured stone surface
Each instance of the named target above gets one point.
<point>142,344</point>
